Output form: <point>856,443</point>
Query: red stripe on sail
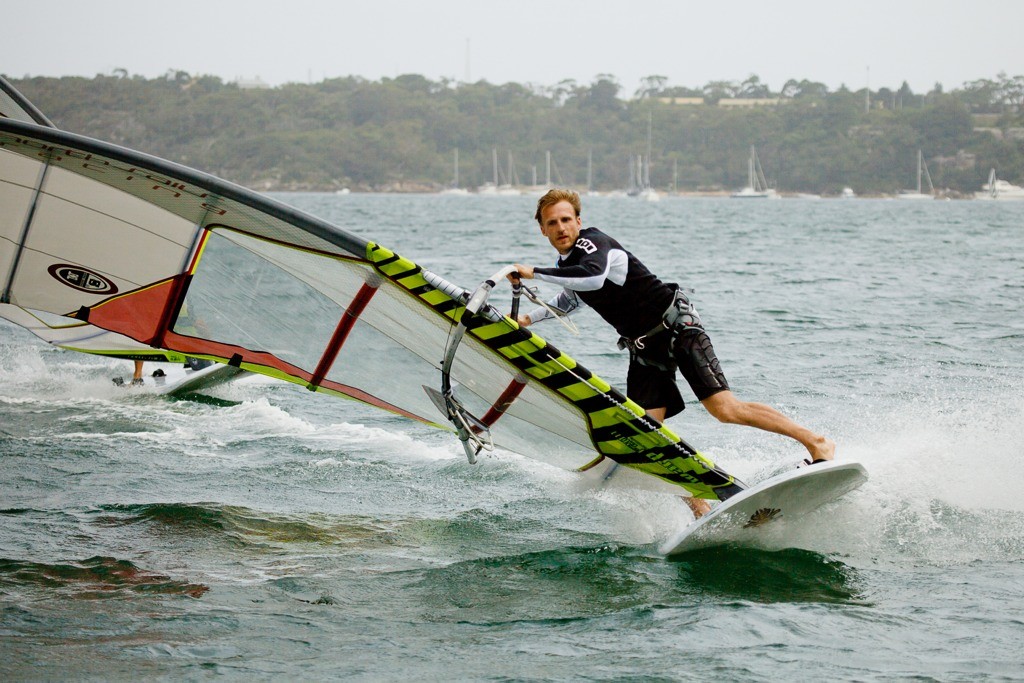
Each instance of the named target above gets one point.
<point>503,402</point>
<point>348,319</point>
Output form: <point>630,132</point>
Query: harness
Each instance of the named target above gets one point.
<point>680,317</point>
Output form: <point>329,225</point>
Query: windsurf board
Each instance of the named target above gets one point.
<point>760,515</point>
<point>171,379</point>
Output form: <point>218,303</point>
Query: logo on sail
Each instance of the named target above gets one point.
<point>82,279</point>
<point>762,516</point>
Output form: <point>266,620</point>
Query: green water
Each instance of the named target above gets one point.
<point>271,533</point>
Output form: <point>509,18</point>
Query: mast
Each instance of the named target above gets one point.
<point>647,166</point>
<point>928,176</point>
<point>919,171</point>
<point>513,177</point>
<point>750,169</point>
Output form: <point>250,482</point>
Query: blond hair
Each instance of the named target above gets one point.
<point>553,196</point>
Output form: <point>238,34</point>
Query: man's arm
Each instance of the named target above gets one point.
<point>565,302</point>
<point>590,275</point>
<point>596,258</point>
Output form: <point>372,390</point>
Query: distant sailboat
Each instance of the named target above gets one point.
<point>999,189</point>
<point>455,189</point>
<point>757,186</point>
<point>552,177</point>
<point>647,193</point>
<point>492,187</point>
<point>917,194</point>
<point>590,174</point>
<point>640,184</point>
<point>509,187</point>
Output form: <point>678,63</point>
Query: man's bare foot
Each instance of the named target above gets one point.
<point>698,506</point>
<point>823,449</point>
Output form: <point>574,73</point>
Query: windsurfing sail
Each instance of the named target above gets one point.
<point>183,262</point>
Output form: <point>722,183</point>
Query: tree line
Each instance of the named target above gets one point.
<point>402,133</point>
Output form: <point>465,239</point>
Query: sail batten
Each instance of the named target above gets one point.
<point>348,320</point>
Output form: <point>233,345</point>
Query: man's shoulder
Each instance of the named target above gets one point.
<point>591,239</point>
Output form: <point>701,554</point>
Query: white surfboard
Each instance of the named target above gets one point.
<point>760,515</point>
<point>178,379</point>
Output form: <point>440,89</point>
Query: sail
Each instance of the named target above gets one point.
<point>179,261</point>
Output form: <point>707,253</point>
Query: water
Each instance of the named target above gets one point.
<point>273,533</point>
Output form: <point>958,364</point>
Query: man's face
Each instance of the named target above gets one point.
<point>560,225</point>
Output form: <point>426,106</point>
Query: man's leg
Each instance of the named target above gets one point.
<point>656,413</point>
<point>137,375</point>
<point>727,408</point>
<point>698,506</point>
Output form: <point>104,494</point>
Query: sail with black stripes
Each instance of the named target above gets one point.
<point>181,262</point>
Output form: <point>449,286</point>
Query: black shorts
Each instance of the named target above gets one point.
<point>699,364</point>
<point>651,380</point>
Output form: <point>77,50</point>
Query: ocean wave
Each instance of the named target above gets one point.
<point>247,526</point>
<point>97,577</point>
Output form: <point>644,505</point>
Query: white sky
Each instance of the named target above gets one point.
<point>876,42</point>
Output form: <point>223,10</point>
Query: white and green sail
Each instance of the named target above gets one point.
<point>109,250</point>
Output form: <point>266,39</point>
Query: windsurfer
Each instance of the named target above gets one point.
<point>658,324</point>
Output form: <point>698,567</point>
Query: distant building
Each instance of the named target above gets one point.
<point>740,102</point>
<point>1000,134</point>
<point>689,101</point>
<point>733,102</point>
<point>256,83</point>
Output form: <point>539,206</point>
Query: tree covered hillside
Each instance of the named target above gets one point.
<point>401,134</point>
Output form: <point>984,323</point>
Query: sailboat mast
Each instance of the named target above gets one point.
<point>647,166</point>
<point>919,171</point>
<point>750,169</point>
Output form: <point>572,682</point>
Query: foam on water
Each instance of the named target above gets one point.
<point>402,444</point>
